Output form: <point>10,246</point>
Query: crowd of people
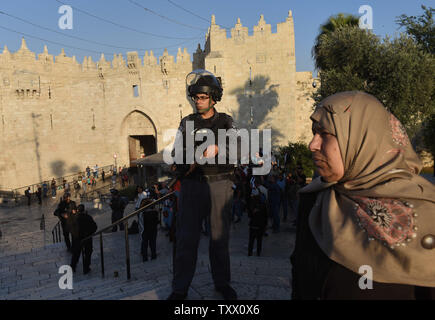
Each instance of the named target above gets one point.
<point>82,183</point>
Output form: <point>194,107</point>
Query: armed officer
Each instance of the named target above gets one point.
<point>206,190</point>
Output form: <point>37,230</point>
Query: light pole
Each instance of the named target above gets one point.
<point>114,156</point>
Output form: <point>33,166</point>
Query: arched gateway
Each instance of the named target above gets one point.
<point>140,133</point>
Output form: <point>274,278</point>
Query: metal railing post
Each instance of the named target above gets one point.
<point>127,249</point>
<point>102,254</point>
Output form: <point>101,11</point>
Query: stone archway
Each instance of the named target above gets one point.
<point>141,135</point>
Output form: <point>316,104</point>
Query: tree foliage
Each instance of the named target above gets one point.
<point>332,24</point>
<point>298,154</point>
<point>396,71</point>
<point>421,28</point>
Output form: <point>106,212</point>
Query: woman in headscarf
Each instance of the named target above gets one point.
<point>366,225</point>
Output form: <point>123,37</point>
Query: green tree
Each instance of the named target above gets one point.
<point>332,24</point>
<point>422,31</point>
<point>298,154</point>
<point>420,28</point>
<point>396,71</point>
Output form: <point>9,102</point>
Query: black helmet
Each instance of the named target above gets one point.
<point>203,81</point>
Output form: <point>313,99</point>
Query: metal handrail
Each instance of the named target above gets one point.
<point>56,233</point>
<point>124,220</point>
<point>59,180</point>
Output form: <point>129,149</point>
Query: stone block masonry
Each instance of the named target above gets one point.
<point>58,116</point>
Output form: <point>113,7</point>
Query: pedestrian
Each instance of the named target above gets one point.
<point>76,188</point>
<point>45,189</point>
<point>121,176</point>
<point>274,196</point>
<point>84,184</point>
<point>117,206</point>
<point>66,186</point>
<point>257,221</point>
<point>361,212</point>
<point>63,211</point>
<point>125,178</point>
<point>39,195</point>
<point>81,225</point>
<point>293,197</point>
<point>149,219</point>
<point>93,181</point>
<point>113,180</point>
<point>141,194</point>
<point>88,171</point>
<point>237,209</point>
<point>53,188</point>
<point>103,174</point>
<point>96,171</point>
<point>282,183</point>
<point>28,195</point>
<point>205,191</point>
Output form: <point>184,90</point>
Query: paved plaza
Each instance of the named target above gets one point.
<point>30,262</point>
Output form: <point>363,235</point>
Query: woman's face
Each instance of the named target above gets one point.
<point>326,154</point>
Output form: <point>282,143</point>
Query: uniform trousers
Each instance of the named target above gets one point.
<point>199,199</point>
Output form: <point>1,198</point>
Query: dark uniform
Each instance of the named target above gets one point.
<point>81,225</point>
<point>206,191</point>
<point>149,234</point>
<point>66,206</point>
<point>118,206</point>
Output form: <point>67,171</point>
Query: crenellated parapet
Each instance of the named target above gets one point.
<point>262,28</point>
<point>24,53</point>
<point>239,32</point>
<point>166,62</point>
<point>50,63</point>
<point>149,59</point>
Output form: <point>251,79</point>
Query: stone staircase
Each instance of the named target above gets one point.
<point>35,274</point>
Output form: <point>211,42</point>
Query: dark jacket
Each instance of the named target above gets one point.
<point>257,214</point>
<point>117,204</point>
<point>217,121</point>
<point>65,207</point>
<point>150,221</point>
<point>81,225</point>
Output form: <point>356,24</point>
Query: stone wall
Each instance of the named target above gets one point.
<point>59,116</point>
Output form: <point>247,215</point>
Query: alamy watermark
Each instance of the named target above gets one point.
<point>366,281</point>
<point>66,20</point>
<point>243,145</point>
<point>366,20</point>
<point>66,281</point>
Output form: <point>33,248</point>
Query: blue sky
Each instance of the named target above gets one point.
<point>178,28</point>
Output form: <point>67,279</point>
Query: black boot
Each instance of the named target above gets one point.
<point>228,292</point>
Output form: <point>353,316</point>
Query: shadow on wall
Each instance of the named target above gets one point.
<point>58,168</point>
<point>257,98</point>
